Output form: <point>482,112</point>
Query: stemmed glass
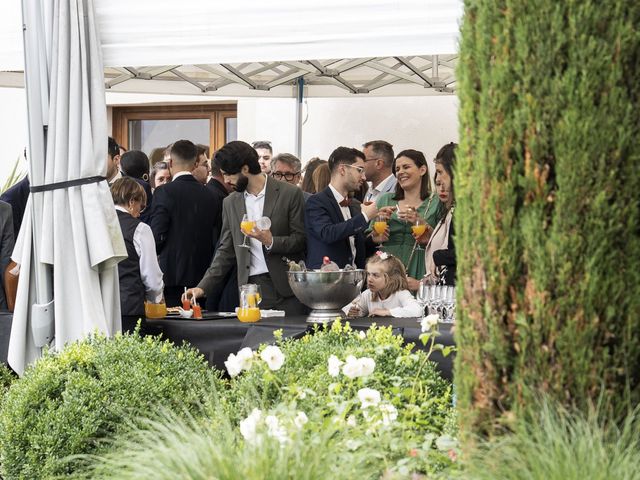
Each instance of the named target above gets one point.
<point>449,303</point>
<point>380,226</point>
<point>418,228</point>
<point>246,226</point>
<point>422,295</point>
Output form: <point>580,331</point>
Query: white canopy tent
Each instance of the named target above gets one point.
<point>251,47</point>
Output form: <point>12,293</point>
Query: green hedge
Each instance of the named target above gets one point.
<point>547,217</point>
<point>68,403</point>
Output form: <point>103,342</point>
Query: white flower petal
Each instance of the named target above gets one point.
<point>273,357</point>
<point>368,397</point>
<point>334,364</point>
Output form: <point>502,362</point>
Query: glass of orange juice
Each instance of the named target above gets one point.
<point>246,226</point>
<point>380,226</point>
<point>418,228</point>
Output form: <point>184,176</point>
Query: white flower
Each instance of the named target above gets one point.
<point>273,357</point>
<point>358,367</point>
<point>248,425</point>
<point>245,356</point>
<point>352,367</point>
<point>300,419</point>
<point>233,365</point>
<point>302,394</point>
<point>362,335</point>
<point>368,397</point>
<point>368,365</point>
<point>389,413</point>
<point>334,366</point>
<point>351,421</point>
<point>428,322</point>
<point>275,430</point>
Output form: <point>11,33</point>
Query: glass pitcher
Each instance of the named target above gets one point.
<point>250,298</point>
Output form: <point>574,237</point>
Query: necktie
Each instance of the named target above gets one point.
<point>346,202</point>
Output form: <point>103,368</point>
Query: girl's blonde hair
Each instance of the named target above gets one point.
<point>394,272</point>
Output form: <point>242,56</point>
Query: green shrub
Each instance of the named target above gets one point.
<point>7,377</point>
<point>406,380</point>
<point>559,445</point>
<point>68,403</point>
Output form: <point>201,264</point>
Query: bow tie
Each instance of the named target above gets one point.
<point>346,202</point>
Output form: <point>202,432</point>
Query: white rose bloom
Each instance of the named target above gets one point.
<point>352,367</point>
<point>273,357</point>
<point>248,425</point>
<point>367,366</point>
<point>334,366</point>
<point>245,356</point>
<point>233,365</point>
<point>389,413</point>
<point>300,420</point>
<point>368,397</point>
<point>428,322</point>
<point>362,335</point>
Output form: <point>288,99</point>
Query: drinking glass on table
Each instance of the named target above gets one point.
<point>246,226</point>
<point>380,226</point>
<point>449,304</point>
<point>422,295</point>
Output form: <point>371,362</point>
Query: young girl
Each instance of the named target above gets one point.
<point>387,294</point>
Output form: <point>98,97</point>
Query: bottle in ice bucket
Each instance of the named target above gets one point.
<point>250,298</point>
<point>328,265</point>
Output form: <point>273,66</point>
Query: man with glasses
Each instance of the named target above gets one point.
<point>378,169</point>
<point>288,168</point>
<point>334,223</point>
<point>265,153</point>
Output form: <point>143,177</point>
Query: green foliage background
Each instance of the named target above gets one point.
<point>547,217</point>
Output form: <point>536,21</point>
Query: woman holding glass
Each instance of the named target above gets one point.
<point>440,256</point>
<point>416,212</point>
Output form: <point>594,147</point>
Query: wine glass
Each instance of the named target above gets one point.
<point>449,302</point>
<point>418,228</point>
<point>246,226</point>
<point>380,226</point>
<point>422,295</point>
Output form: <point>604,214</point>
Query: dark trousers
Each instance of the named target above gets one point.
<point>271,299</point>
<point>173,296</point>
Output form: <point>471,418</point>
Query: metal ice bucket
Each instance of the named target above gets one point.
<point>326,292</point>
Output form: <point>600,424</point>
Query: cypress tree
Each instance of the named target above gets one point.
<point>547,216</point>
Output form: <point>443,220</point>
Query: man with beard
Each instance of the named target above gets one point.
<point>335,224</point>
<point>257,196</point>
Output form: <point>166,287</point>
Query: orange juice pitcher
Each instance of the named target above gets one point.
<point>250,298</point>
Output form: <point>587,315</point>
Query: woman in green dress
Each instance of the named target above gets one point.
<point>412,199</point>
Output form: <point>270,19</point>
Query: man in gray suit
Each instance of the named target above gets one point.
<point>378,164</point>
<point>257,195</point>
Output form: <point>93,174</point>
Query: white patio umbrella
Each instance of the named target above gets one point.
<point>70,242</point>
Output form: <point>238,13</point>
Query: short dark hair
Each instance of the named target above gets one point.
<point>135,163</point>
<point>113,148</point>
<point>183,152</point>
<point>382,149</point>
<point>215,165</point>
<point>344,155</point>
<point>420,161</point>
<point>262,144</point>
<point>234,155</point>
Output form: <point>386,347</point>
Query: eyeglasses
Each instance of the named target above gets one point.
<point>359,169</point>
<point>287,176</point>
<point>371,159</point>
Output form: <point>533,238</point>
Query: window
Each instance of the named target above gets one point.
<point>148,127</point>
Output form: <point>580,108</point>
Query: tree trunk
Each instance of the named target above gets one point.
<point>547,218</point>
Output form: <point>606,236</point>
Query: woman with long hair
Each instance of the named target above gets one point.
<point>440,256</point>
<point>414,204</point>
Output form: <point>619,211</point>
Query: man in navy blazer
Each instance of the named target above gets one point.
<point>184,222</point>
<point>334,224</point>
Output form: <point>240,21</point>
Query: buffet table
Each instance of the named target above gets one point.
<point>217,337</point>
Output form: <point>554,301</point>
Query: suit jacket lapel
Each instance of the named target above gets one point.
<point>336,208</point>
<point>239,207</point>
<point>270,196</point>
